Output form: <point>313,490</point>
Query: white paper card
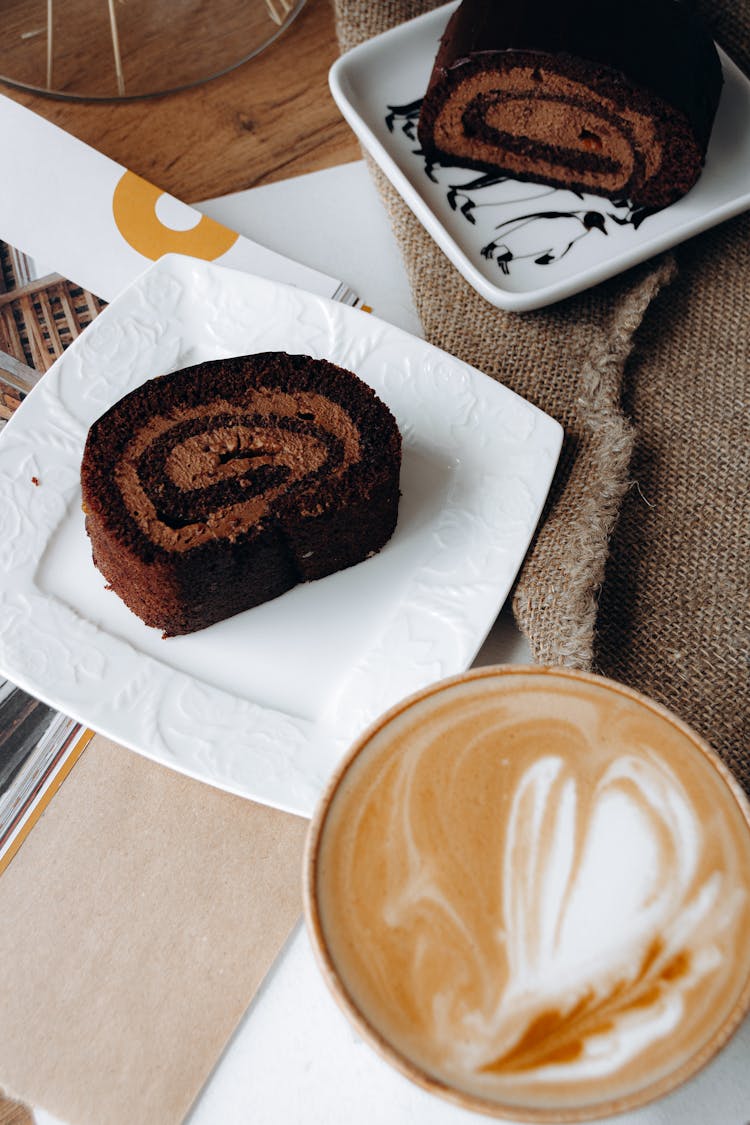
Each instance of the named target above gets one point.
<point>100,225</point>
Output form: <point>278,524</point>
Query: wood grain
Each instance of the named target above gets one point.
<point>271,118</point>
<point>13,1113</point>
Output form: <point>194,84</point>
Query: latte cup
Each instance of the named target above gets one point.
<point>529,889</point>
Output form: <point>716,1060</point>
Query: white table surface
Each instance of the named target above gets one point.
<point>294,1057</point>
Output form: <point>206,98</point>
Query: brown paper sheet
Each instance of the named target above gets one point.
<point>136,924</point>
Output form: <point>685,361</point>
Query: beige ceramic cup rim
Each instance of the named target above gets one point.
<point>492,1108</point>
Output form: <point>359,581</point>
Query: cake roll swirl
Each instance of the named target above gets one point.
<point>577,95</point>
<point>220,486</point>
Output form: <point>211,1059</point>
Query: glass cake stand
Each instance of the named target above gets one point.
<point>105,50</point>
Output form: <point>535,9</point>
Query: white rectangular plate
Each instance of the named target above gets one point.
<point>520,245</point>
<point>265,703</point>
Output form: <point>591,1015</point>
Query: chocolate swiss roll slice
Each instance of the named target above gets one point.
<point>215,488</point>
<point>617,100</point>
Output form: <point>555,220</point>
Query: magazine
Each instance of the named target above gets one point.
<point>38,745</point>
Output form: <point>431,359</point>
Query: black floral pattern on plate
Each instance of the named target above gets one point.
<point>555,231</point>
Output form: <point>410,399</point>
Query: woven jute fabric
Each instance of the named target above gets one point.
<point>639,567</point>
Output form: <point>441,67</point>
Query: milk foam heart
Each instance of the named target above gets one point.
<point>537,890</point>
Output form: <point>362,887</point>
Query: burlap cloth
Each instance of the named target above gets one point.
<point>639,568</point>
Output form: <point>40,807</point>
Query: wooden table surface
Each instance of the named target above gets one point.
<point>271,118</point>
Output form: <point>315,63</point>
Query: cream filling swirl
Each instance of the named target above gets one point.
<point>232,450</point>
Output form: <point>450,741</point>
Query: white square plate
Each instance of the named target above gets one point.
<point>265,703</point>
<point>520,245</point>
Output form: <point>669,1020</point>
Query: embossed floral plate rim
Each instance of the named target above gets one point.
<point>195,703</point>
<point>564,243</point>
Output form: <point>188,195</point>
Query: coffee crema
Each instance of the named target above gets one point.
<point>531,888</point>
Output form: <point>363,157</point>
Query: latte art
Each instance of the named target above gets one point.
<point>537,890</point>
<point>606,924</point>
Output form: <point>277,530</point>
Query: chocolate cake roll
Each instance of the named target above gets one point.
<point>617,100</point>
<point>223,485</point>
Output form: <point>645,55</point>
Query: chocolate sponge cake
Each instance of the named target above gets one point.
<point>215,488</point>
<point>617,100</point>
